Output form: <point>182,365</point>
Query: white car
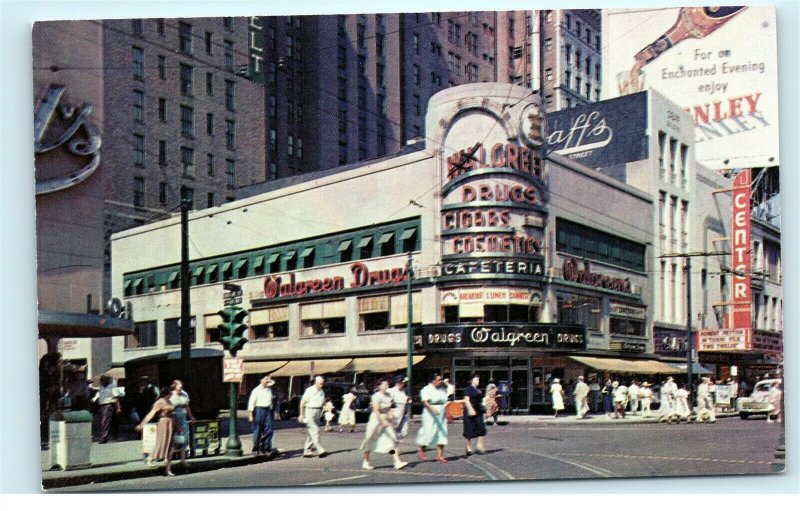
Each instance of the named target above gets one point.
<point>758,402</point>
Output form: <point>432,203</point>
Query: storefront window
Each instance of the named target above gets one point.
<point>144,335</point>
<point>373,313</point>
<point>322,318</point>
<point>270,323</point>
<point>450,314</point>
<point>580,310</point>
<point>172,332</point>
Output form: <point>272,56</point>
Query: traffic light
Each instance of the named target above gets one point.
<point>232,328</point>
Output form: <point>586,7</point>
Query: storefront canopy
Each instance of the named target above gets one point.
<point>381,364</point>
<point>262,366</point>
<point>312,367</point>
<point>616,365</point>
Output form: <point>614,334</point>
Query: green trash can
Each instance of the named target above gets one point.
<point>71,440</point>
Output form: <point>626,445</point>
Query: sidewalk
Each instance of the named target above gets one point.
<point>121,460</point>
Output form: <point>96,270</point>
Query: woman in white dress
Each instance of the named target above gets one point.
<point>380,435</point>
<point>557,394</point>
<point>681,410</point>
<point>347,416</point>
<point>433,430</point>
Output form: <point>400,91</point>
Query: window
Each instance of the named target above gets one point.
<point>626,326</point>
<point>210,84</point>
<point>209,123</point>
<point>415,104</point>
<point>345,250</point>
<point>210,200</point>
<point>273,170</point>
<point>578,25</point>
<point>162,109</point>
<point>270,323</point>
<point>162,67</point>
<point>579,310</point>
<point>380,104</point>
<point>416,74</point>
<point>228,55</point>
<point>138,150</point>
<point>472,72</point>
<point>362,66</point>
<point>230,173</point>
<point>137,27</point>
<point>379,44</point>
<point>409,240</point>
<point>138,63</point>
<point>230,95</point>
<point>162,193</point>
<point>273,106</point>
<point>230,134</point>
<point>365,247</point>
<point>138,106</point>
<point>290,146</point>
<point>210,164</point>
<point>143,336</point>
<point>273,140</point>
<point>188,195</point>
<point>187,121</point>
<point>379,75</point>
<point>299,148</point>
<point>160,27</point>
<point>162,152</point>
<point>186,80</point>
<point>172,331</point>
<point>322,318</point>
<point>185,37</point>
<point>187,160</point>
<point>415,43</point>
<point>361,31</point>
<point>209,43</point>
<point>374,313</point>
<point>227,22</point>
<point>138,192</point>
<point>588,243</point>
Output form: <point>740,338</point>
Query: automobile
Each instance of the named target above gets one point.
<point>289,409</point>
<point>758,402</point>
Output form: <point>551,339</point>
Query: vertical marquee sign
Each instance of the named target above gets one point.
<point>740,244</point>
<point>493,197</point>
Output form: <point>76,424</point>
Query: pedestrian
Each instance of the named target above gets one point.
<point>329,413</point>
<point>733,393</point>
<point>451,396</point>
<point>645,397</point>
<point>705,401</point>
<point>182,415</point>
<point>143,398</point>
<point>380,435</point>
<point>595,396</point>
<point>557,396</point>
<point>620,399</point>
<point>108,405</point>
<point>633,397</point>
<point>79,392</point>
<point>581,395</point>
<point>474,426</point>
<point>433,430</point>
<point>310,412</point>
<point>164,447</point>
<point>775,398</point>
<point>681,410</point>
<point>260,408</point>
<point>608,397</point>
<point>667,399</point>
<point>347,415</point>
<point>400,401</point>
<point>490,403</point>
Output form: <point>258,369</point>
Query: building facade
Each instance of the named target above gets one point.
<point>527,264</point>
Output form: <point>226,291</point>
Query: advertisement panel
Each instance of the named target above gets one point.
<point>723,340</point>
<point>740,255</point>
<point>718,63</point>
<point>601,134</point>
<point>499,336</point>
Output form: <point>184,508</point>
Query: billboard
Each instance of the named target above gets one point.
<point>718,63</point>
<point>600,134</point>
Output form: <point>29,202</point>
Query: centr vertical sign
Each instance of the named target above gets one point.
<point>741,243</point>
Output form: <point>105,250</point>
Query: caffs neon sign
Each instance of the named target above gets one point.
<point>287,285</point>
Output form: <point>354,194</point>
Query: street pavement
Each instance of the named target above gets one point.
<point>521,448</point>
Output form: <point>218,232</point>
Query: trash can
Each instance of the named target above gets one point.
<point>71,440</point>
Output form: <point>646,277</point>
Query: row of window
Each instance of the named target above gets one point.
<point>187,158</point>
<point>673,156</point>
<point>588,36</point>
<point>588,243</point>
<point>140,191</point>
<point>387,240</point>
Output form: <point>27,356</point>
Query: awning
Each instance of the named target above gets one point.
<point>365,241</point>
<point>408,233</point>
<point>304,367</point>
<point>242,262</point>
<point>290,254</point>
<point>127,284</point>
<point>385,238</point>
<point>198,271</point>
<point>696,368</point>
<point>258,261</point>
<point>225,266</point>
<point>306,251</point>
<point>273,258</point>
<point>137,282</point>
<point>172,276</point>
<point>262,366</point>
<point>345,245</point>
<point>617,365</point>
<point>211,269</point>
<point>381,364</point>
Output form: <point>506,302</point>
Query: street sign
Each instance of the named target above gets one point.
<point>232,369</point>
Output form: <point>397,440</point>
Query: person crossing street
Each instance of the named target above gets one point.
<point>581,394</point>
<point>705,401</point>
<point>310,412</point>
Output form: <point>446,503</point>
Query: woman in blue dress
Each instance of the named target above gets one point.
<point>474,426</point>
<point>181,417</point>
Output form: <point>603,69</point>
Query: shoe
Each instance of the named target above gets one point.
<point>468,452</point>
<point>366,466</point>
<point>480,451</point>
<point>421,456</point>
<point>308,454</point>
<point>441,460</point>
<point>401,465</point>
<point>170,474</point>
<point>323,454</point>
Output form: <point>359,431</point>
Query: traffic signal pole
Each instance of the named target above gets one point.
<point>232,330</point>
<point>186,342</point>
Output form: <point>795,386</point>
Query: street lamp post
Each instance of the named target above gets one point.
<point>186,342</point>
<point>409,334</point>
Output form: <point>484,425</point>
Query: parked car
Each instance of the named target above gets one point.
<point>758,402</point>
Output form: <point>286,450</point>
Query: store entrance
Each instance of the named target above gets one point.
<point>514,371</point>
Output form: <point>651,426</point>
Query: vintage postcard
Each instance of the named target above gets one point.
<point>394,248</point>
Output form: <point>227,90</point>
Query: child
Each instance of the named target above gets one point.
<point>327,408</point>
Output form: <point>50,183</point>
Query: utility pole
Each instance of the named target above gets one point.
<point>186,342</point>
<point>689,344</point>
<point>409,334</point>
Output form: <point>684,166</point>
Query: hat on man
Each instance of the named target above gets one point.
<point>556,380</point>
<point>319,379</point>
<point>400,379</point>
<point>615,384</point>
<point>645,384</point>
<point>580,377</point>
<point>270,381</point>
